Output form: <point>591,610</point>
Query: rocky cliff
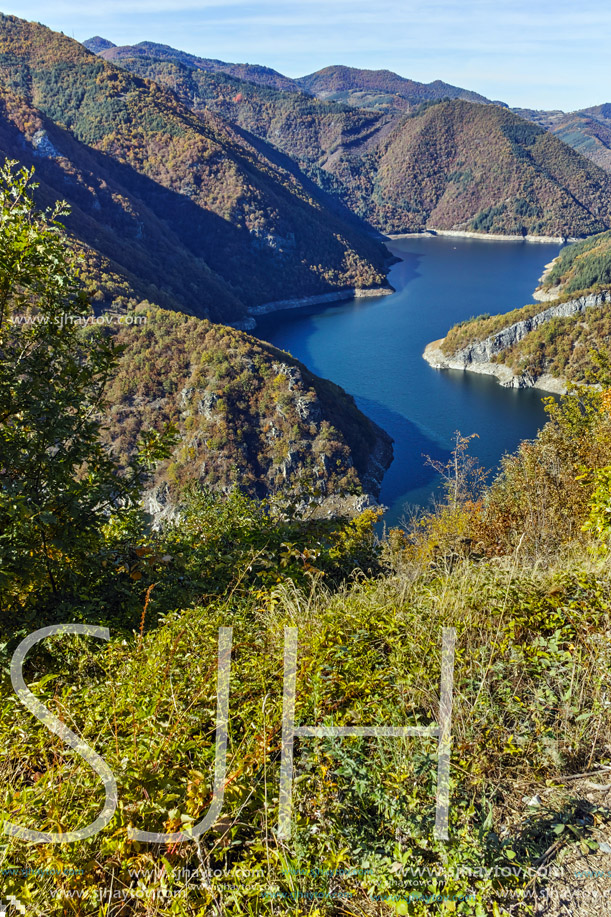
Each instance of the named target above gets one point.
<point>248,415</point>
<point>482,356</point>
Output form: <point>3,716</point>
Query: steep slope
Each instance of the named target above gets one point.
<point>459,165</point>
<point>183,190</point>
<point>309,130</point>
<point>253,73</point>
<point>404,173</point>
<point>583,266</point>
<point>249,415</point>
<point>588,131</point>
<point>542,344</point>
<point>116,215</point>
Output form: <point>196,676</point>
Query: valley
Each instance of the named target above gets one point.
<point>294,621</point>
<point>421,163</point>
<point>227,192</point>
<point>373,348</point>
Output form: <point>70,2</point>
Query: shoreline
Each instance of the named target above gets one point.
<point>541,295</point>
<point>486,237</point>
<point>249,322</point>
<point>287,305</point>
<point>478,356</point>
<point>505,376</point>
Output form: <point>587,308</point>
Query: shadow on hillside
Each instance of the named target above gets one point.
<point>175,251</point>
<point>298,325</point>
<point>284,161</point>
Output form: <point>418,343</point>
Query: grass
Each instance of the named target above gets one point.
<point>519,569</point>
<point>510,567</point>
<point>529,705</point>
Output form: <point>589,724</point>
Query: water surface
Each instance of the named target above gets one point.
<point>373,348</point>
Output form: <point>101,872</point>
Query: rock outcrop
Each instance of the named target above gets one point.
<point>285,305</point>
<point>248,417</point>
<point>479,356</point>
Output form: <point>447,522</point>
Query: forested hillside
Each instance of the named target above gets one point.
<point>435,170</point>
<point>245,416</point>
<point>309,130</point>
<point>583,266</point>
<point>187,205</point>
<point>405,172</point>
<point>356,86</point>
<point>249,417</point>
<point>588,131</point>
<point>254,73</point>
<point>566,345</point>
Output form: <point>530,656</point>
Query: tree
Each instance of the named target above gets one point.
<point>60,489</point>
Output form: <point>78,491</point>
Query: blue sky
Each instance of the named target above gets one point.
<point>538,54</point>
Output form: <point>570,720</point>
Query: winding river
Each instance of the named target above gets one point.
<point>373,348</point>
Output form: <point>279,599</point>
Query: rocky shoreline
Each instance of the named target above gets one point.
<point>541,295</point>
<point>478,357</point>
<point>486,237</point>
<point>505,376</point>
<point>300,302</point>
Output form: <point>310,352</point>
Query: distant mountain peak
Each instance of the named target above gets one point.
<point>339,79</point>
<point>226,228</point>
<point>252,73</point>
<point>97,44</point>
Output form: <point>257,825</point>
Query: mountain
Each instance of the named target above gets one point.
<point>360,88</point>
<point>253,73</point>
<point>173,211</point>
<point>379,88</point>
<point>97,44</point>
<point>463,166</point>
<point>429,168</point>
<point>301,129</point>
<point>250,417</point>
<point>309,130</point>
<point>588,131</point>
<point>499,594</point>
<point>191,206</point>
<point>547,343</point>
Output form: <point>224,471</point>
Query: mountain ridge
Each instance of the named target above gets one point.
<point>586,130</point>
<point>248,229</point>
<point>254,73</point>
<point>409,171</point>
<point>97,44</point>
<point>179,219</point>
<point>338,79</point>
